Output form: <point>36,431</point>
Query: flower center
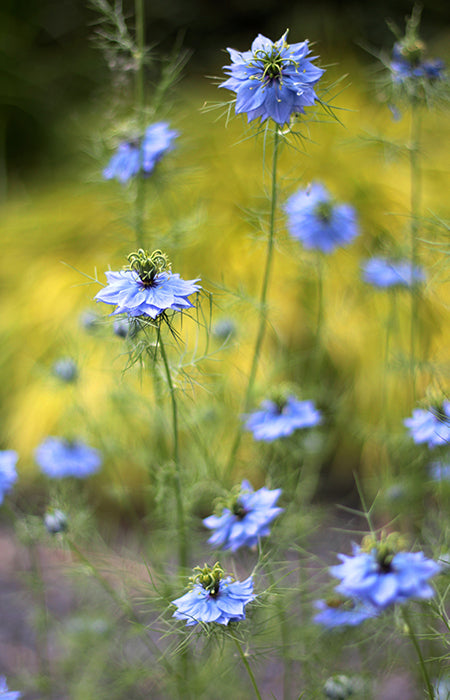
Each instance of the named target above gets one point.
<point>209,578</point>
<point>148,265</point>
<point>413,51</point>
<point>323,211</point>
<point>439,413</point>
<point>238,510</point>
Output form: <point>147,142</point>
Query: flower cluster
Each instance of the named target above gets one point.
<point>281,418</point>
<point>430,426</point>
<point>273,80</point>
<point>408,62</point>
<point>380,574</point>
<point>140,155</point>
<point>147,287</point>
<point>59,458</point>
<point>384,273</point>
<point>214,597</point>
<point>8,473</point>
<point>319,223</point>
<point>246,519</point>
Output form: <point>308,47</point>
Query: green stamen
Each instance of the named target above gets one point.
<point>208,577</point>
<point>148,265</point>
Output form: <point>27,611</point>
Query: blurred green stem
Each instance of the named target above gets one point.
<point>415,208</point>
<point>415,643</point>
<point>181,525</point>
<point>139,58</point>
<point>247,668</point>
<point>263,299</point>
<point>42,646</point>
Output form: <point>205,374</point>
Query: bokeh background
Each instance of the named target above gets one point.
<point>58,101</point>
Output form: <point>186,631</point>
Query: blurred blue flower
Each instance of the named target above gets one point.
<point>224,329</point>
<point>6,694</point>
<point>214,598</point>
<point>279,419</point>
<point>8,473</point>
<point>319,223</point>
<point>148,288</point>
<point>141,155</point>
<point>246,520</point>
<point>383,576</point>
<point>391,273</point>
<point>430,426</point>
<point>273,80</point>
<point>59,458</point>
<point>65,369</point>
<point>55,521</point>
<point>442,688</point>
<point>408,62</point>
<point>341,612</point>
<point>125,327</point>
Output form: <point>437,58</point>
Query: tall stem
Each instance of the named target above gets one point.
<point>418,651</point>
<point>247,668</point>
<point>181,525</point>
<point>140,114</point>
<point>415,207</point>
<point>263,299</point>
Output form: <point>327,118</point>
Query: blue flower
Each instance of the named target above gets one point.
<point>58,458</point>
<point>279,419</point>
<point>408,62</point>
<point>383,576</point>
<point>442,688</point>
<point>8,473</point>
<point>392,273</point>
<point>272,80</point>
<point>148,289</point>
<point>6,694</point>
<point>319,223</point>
<point>341,612</point>
<point>439,471</point>
<point>55,521</point>
<point>430,426</point>
<point>246,520</point>
<point>214,598</point>
<point>141,155</point>
<point>65,369</point>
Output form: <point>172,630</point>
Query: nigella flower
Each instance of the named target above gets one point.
<point>319,223</point>
<point>273,80</point>
<point>380,574</point>
<point>147,287</point>
<point>141,155</point>
<point>6,694</point>
<point>392,273</point>
<point>408,62</point>
<point>342,612</point>
<point>442,688</point>
<point>214,597</point>
<point>439,471</point>
<point>55,521</point>
<point>430,426</point>
<point>8,473</point>
<point>65,369</point>
<point>246,519</point>
<point>281,418</point>
<point>58,458</point>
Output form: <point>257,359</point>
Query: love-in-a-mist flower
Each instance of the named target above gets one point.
<point>380,573</point>
<point>214,597</point>
<point>65,369</point>
<point>440,471</point>
<point>8,473</point>
<point>147,287</point>
<point>430,426</point>
<point>6,694</point>
<point>384,273</point>
<point>58,458</point>
<point>318,222</point>
<point>55,521</point>
<point>140,155</point>
<point>341,612</point>
<point>245,517</point>
<point>273,80</point>
<point>281,417</point>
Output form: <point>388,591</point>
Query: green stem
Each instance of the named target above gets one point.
<point>418,651</point>
<point>248,669</point>
<point>45,683</point>
<point>181,525</point>
<point>415,207</point>
<point>140,112</point>
<point>263,300</point>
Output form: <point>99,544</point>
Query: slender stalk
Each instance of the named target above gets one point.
<point>423,668</point>
<point>319,326</point>
<point>140,113</point>
<point>181,525</point>
<point>45,682</point>
<point>263,299</point>
<point>415,208</point>
<point>248,669</point>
